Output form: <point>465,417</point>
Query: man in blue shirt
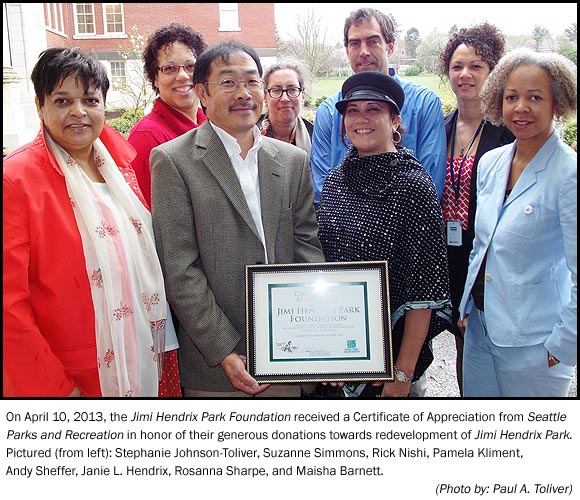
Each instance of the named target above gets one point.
<point>369,38</point>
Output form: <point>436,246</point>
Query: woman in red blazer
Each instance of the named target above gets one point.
<point>84,302</point>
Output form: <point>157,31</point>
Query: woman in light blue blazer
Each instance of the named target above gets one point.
<point>518,310</point>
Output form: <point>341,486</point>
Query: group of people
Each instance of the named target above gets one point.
<point>125,259</point>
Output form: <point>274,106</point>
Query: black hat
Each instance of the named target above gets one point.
<point>371,86</point>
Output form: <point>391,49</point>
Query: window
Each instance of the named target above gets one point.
<point>113,14</point>
<point>84,18</point>
<point>229,17</point>
<point>53,15</point>
<point>118,75</point>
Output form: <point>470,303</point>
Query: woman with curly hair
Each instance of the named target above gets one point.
<point>168,60</point>
<point>520,293</point>
<point>465,62</point>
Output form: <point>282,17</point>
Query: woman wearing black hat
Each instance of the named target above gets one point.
<point>381,204</point>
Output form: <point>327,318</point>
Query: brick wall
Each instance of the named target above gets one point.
<point>257,23</point>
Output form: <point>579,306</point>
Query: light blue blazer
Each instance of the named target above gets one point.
<point>530,274</point>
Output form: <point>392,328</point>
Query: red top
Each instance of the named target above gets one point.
<point>162,124</point>
<point>458,208</point>
<point>49,341</point>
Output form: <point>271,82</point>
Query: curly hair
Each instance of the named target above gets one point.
<point>367,14</point>
<point>486,39</point>
<point>561,73</point>
<point>164,38</point>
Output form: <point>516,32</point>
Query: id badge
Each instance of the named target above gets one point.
<point>454,233</point>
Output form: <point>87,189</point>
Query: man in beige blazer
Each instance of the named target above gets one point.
<point>224,196</point>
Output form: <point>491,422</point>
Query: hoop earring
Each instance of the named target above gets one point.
<point>400,137</point>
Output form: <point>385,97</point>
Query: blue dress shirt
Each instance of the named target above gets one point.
<point>423,134</point>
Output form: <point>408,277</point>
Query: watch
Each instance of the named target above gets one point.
<point>401,376</point>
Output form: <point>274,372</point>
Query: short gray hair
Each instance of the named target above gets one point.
<point>301,70</point>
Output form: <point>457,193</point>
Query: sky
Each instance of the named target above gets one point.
<point>510,18</point>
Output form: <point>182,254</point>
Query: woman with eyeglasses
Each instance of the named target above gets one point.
<point>285,95</point>
<point>168,60</point>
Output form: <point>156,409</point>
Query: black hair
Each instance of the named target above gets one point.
<point>486,39</point>
<point>222,50</point>
<point>56,64</point>
<point>165,37</point>
<point>367,14</point>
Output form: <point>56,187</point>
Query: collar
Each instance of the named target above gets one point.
<point>231,143</point>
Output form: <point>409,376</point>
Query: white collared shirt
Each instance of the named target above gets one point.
<point>247,172</point>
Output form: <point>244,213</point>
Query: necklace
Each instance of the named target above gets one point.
<point>462,151</point>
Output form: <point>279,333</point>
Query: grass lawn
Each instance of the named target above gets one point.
<point>331,85</point>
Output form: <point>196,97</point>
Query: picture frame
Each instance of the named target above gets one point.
<point>320,322</point>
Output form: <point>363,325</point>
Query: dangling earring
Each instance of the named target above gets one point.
<point>397,141</point>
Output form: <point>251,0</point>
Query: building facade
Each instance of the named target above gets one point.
<point>114,32</point>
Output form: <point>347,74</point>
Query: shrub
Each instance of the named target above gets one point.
<point>448,104</point>
<point>569,134</point>
<point>319,100</point>
<point>413,71</point>
<point>570,53</point>
<point>125,122</point>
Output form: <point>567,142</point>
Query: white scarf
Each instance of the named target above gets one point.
<point>124,273</point>
<point>301,136</point>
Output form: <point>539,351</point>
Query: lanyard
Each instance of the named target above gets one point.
<point>457,186</point>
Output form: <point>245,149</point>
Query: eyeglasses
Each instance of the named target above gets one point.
<point>173,69</point>
<point>229,85</point>
<point>292,92</point>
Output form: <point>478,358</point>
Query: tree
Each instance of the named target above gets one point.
<point>540,34</point>
<point>311,45</point>
<point>453,29</point>
<point>412,40</point>
<point>571,32</point>
<point>395,25</point>
<point>429,50</point>
<point>281,44</point>
<point>135,89</point>
<point>571,53</point>
<point>515,41</point>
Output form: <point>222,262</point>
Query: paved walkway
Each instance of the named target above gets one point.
<point>442,380</point>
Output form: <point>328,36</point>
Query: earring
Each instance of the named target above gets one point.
<point>396,131</point>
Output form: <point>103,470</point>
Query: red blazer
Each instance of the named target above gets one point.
<point>49,343</point>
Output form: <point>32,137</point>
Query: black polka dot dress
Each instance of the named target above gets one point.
<point>385,207</point>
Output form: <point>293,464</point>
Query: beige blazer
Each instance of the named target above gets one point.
<point>205,235</point>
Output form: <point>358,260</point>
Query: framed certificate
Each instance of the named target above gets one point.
<point>318,322</point>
